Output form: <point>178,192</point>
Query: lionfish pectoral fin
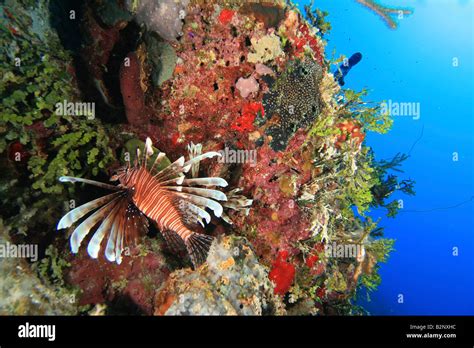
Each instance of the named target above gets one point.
<point>79,212</point>
<point>73,179</point>
<point>174,241</point>
<point>198,246</point>
<point>110,247</point>
<point>93,247</point>
<point>123,225</point>
<point>127,224</point>
<point>84,228</point>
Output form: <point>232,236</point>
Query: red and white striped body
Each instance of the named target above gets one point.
<point>157,203</point>
<point>175,203</point>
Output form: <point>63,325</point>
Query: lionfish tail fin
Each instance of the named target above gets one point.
<point>198,246</point>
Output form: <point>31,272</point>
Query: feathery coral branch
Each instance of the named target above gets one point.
<point>385,12</point>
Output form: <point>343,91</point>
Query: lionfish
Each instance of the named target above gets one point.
<point>166,197</point>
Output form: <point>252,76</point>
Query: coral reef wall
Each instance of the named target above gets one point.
<point>247,79</point>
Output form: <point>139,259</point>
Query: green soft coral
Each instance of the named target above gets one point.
<point>368,114</point>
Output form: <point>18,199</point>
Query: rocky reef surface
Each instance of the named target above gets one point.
<point>23,292</point>
<point>231,282</point>
<point>248,79</point>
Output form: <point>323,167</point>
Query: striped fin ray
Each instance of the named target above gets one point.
<point>79,212</point>
<point>171,176</point>
<point>119,246</point>
<point>202,202</point>
<point>147,151</point>
<point>157,160</point>
<point>120,237</point>
<point>198,246</point>
<point>84,228</point>
<point>179,166</point>
<point>110,247</point>
<point>173,169</point>
<point>205,182</point>
<point>199,158</point>
<point>93,247</point>
<point>132,225</point>
<point>178,181</point>
<point>203,192</point>
<point>137,162</point>
<point>89,182</point>
<point>192,213</point>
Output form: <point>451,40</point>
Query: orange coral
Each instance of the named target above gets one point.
<point>349,130</point>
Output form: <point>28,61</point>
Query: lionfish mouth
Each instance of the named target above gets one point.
<point>173,201</point>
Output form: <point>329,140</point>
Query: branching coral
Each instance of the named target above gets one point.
<point>385,12</point>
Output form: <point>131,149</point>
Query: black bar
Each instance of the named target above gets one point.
<point>243,330</point>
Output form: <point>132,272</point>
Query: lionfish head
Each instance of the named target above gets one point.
<point>124,175</point>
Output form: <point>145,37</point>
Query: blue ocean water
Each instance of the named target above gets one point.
<point>417,63</point>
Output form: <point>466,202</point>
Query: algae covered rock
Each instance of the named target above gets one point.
<point>231,282</point>
<point>162,58</point>
<point>113,12</point>
<point>163,17</point>
<point>23,293</point>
